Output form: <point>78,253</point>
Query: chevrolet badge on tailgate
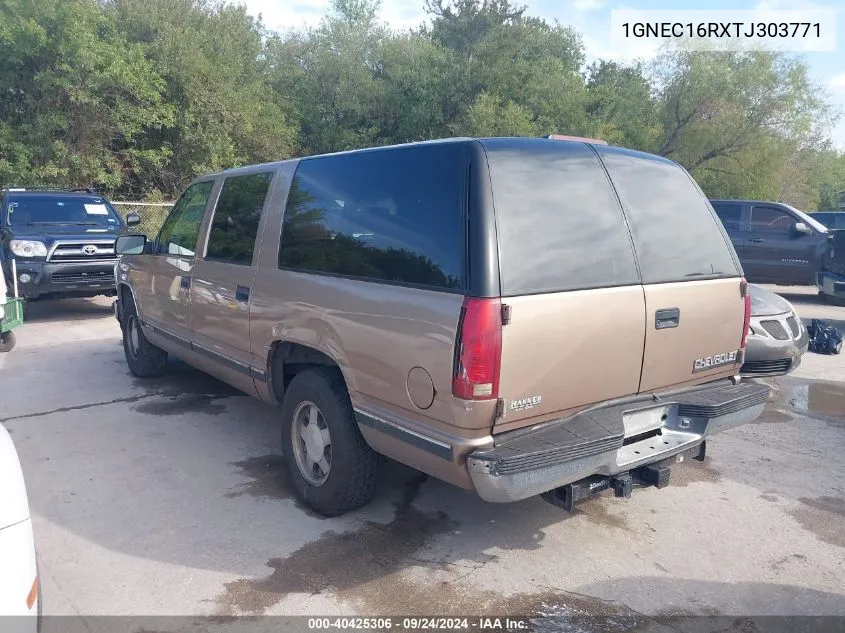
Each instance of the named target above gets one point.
<point>711,362</point>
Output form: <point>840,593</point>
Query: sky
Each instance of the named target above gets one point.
<point>591,18</point>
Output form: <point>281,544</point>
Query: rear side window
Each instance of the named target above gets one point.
<point>675,233</point>
<point>729,213</point>
<point>391,215</point>
<point>559,222</point>
<point>236,218</point>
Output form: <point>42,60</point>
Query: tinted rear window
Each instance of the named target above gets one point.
<point>559,222</point>
<point>676,235</point>
<point>390,215</point>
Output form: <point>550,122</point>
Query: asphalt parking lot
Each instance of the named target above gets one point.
<point>168,497</point>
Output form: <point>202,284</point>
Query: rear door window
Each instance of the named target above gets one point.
<point>394,215</point>
<point>770,220</point>
<point>676,235</point>
<point>729,213</point>
<point>236,218</point>
<point>559,222</point>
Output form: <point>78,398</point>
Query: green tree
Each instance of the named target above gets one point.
<point>77,99</point>
<point>211,56</point>
<point>621,107</point>
<point>716,105</point>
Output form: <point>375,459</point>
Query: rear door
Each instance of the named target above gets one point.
<point>694,308</point>
<point>569,279</point>
<point>222,279</point>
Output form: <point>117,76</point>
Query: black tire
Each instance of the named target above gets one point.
<point>834,301</point>
<point>351,480</point>
<point>7,341</point>
<point>145,360</point>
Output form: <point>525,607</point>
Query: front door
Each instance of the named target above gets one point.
<point>222,282</point>
<point>774,252</point>
<point>162,285</point>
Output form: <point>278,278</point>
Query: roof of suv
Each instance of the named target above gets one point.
<point>552,138</point>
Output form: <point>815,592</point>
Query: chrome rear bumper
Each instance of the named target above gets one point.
<point>609,441</point>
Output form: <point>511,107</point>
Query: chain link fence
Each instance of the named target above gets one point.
<point>152,214</point>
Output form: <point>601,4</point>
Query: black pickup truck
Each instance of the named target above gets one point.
<point>776,243</point>
<point>61,241</point>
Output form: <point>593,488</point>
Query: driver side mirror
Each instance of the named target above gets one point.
<point>133,219</point>
<point>800,228</point>
<point>130,244</point>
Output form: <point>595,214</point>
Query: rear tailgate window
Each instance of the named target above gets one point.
<point>676,235</point>
<point>560,225</point>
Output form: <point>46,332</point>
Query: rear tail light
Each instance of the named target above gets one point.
<point>479,350</point>
<point>743,291</point>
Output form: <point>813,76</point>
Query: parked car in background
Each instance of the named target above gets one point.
<point>831,280</point>
<point>777,339</point>
<point>20,590</point>
<point>776,243</point>
<point>62,241</point>
<point>437,326</point>
<point>833,220</point>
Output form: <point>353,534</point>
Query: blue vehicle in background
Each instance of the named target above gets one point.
<point>834,220</point>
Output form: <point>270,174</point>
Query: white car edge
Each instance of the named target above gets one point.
<point>20,593</point>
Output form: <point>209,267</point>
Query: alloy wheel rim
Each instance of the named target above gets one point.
<point>134,338</point>
<point>312,443</point>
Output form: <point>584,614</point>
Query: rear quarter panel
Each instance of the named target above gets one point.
<point>376,333</point>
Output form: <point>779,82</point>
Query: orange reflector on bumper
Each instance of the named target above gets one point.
<point>33,594</point>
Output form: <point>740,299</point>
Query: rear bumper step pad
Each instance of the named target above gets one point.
<point>527,462</point>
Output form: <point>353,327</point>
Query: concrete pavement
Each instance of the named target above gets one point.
<point>168,497</point>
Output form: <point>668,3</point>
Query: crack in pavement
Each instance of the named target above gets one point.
<point>79,407</point>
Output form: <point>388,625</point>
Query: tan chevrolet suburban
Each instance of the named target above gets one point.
<point>515,316</point>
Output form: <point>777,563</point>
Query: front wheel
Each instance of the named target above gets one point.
<point>7,341</point>
<point>145,360</point>
<point>332,467</point>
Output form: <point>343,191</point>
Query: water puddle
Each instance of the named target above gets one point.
<point>815,398</point>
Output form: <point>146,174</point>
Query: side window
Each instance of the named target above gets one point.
<point>236,218</point>
<point>178,234</point>
<point>770,220</point>
<point>730,214</point>
<point>676,235</point>
<point>390,215</point>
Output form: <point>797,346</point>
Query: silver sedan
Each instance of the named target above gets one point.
<point>777,338</point>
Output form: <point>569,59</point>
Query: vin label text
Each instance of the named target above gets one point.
<point>713,30</point>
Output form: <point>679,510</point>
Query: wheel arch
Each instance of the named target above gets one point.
<point>287,358</point>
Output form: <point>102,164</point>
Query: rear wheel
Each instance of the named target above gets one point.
<point>145,360</point>
<point>332,468</point>
<point>7,341</point>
